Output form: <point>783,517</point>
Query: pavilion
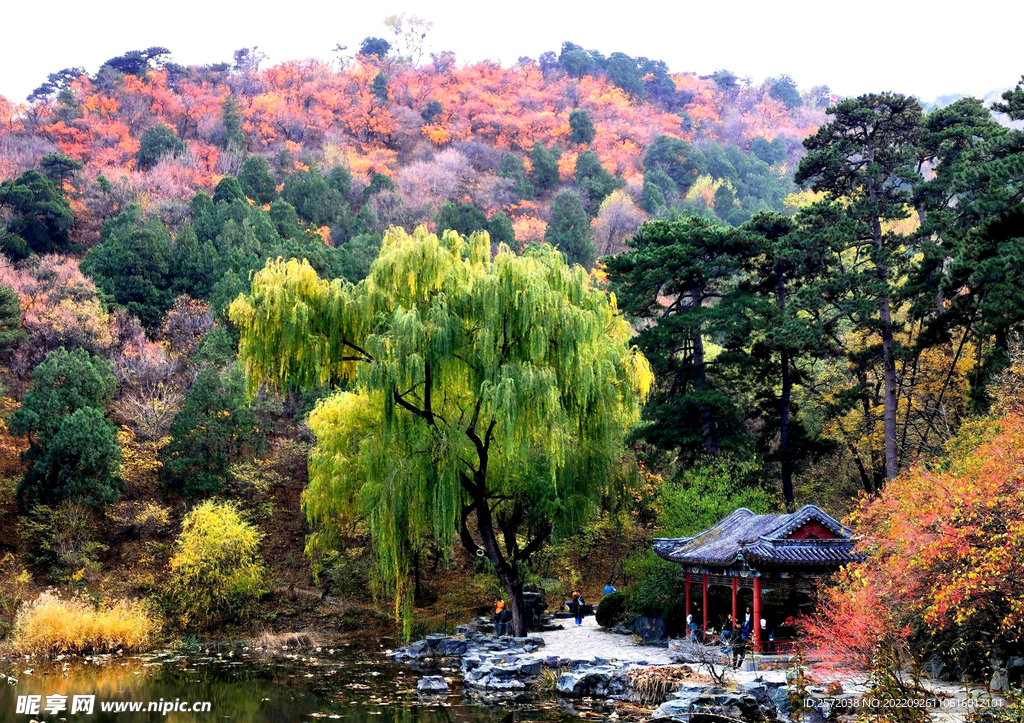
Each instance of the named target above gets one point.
<point>788,551</point>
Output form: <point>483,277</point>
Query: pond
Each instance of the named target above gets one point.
<point>246,686</point>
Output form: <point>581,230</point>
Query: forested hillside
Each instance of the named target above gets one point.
<point>254,339</point>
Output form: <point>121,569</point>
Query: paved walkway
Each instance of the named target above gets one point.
<point>589,641</point>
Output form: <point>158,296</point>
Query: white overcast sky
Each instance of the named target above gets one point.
<point>923,47</point>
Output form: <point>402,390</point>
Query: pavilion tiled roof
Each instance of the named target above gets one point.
<point>763,540</point>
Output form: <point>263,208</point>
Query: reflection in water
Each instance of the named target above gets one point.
<point>250,689</point>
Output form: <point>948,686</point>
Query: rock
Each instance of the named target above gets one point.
<point>432,684</point>
<point>651,629</point>
<point>529,666</point>
<point>1015,670</point>
<point>755,689</point>
<point>592,680</point>
<point>1000,679</point>
<point>571,684</point>
<point>690,701</point>
<point>780,698</point>
<point>451,647</point>
<point>418,650</point>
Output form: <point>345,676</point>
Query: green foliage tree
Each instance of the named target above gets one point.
<point>569,229</point>
<point>544,174</point>
<point>59,167</point>
<point>512,168</point>
<point>256,180</point>
<point>216,424</point>
<point>41,217</point>
<point>784,269</point>
<point>462,217</point>
<point>375,47</point>
<point>217,575</point>
<point>864,160</point>
<point>465,396</point>
<point>681,274</point>
<point>132,263</point>
<point>499,226</point>
<point>157,141</point>
<point>612,610</point>
<point>73,453</point>
<point>581,127</point>
<point>380,87</point>
<point>576,61</point>
<point>357,255</point>
<point>83,462</point>
<point>677,158</point>
<point>659,191</point>
<point>431,111</point>
<point>339,180</point>
<point>378,182</point>
<point>625,72</point>
<point>770,151</point>
<point>231,123</point>
<point>314,200</point>
<point>11,317</point>
<point>784,90</point>
<point>593,180</point>
<point>965,279</point>
<point>228,190</point>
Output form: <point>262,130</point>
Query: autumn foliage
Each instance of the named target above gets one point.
<point>945,552</point>
<point>301,112</point>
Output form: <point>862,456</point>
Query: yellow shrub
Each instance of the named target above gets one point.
<point>216,572</point>
<point>52,625</point>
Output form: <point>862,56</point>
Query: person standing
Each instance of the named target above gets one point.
<point>609,589</point>
<point>576,607</point>
<point>739,651</point>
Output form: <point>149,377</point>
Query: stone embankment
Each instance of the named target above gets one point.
<point>510,665</point>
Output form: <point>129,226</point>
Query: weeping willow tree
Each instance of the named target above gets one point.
<point>480,399</point>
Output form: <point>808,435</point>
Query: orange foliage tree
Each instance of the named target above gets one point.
<point>944,546</point>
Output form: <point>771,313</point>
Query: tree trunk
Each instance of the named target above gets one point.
<point>507,570</point>
<point>707,416</point>
<point>784,454</point>
<point>785,400</point>
<point>889,402</point>
<point>888,355</point>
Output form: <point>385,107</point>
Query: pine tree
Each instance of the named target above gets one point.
<point>256,180</point>
<point>544,174</point>
<point>680,274</point>
<point>73,452</point>
<point>865,161</point>
<point>569,229</point>
<point>581,127</point>
<point>11,331</point>
<point>158,141</point>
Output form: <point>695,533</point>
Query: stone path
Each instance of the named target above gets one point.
<point>589,641</point>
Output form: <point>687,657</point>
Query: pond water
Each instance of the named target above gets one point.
<point>248,687</point>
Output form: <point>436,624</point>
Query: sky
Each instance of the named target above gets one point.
<point>925,48</point>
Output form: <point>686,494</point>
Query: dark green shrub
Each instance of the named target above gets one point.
<point>612,610</point>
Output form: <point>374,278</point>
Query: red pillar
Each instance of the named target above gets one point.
<point>687,595</point>
<point>735,608</point>
<point>705,603</point>
<point>757,614</point>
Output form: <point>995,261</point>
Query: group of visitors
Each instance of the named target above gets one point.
<point>736,635</point>
<point>576,605</point>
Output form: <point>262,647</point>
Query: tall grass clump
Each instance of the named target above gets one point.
<point>216,574</point>
<point>51,625</point>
